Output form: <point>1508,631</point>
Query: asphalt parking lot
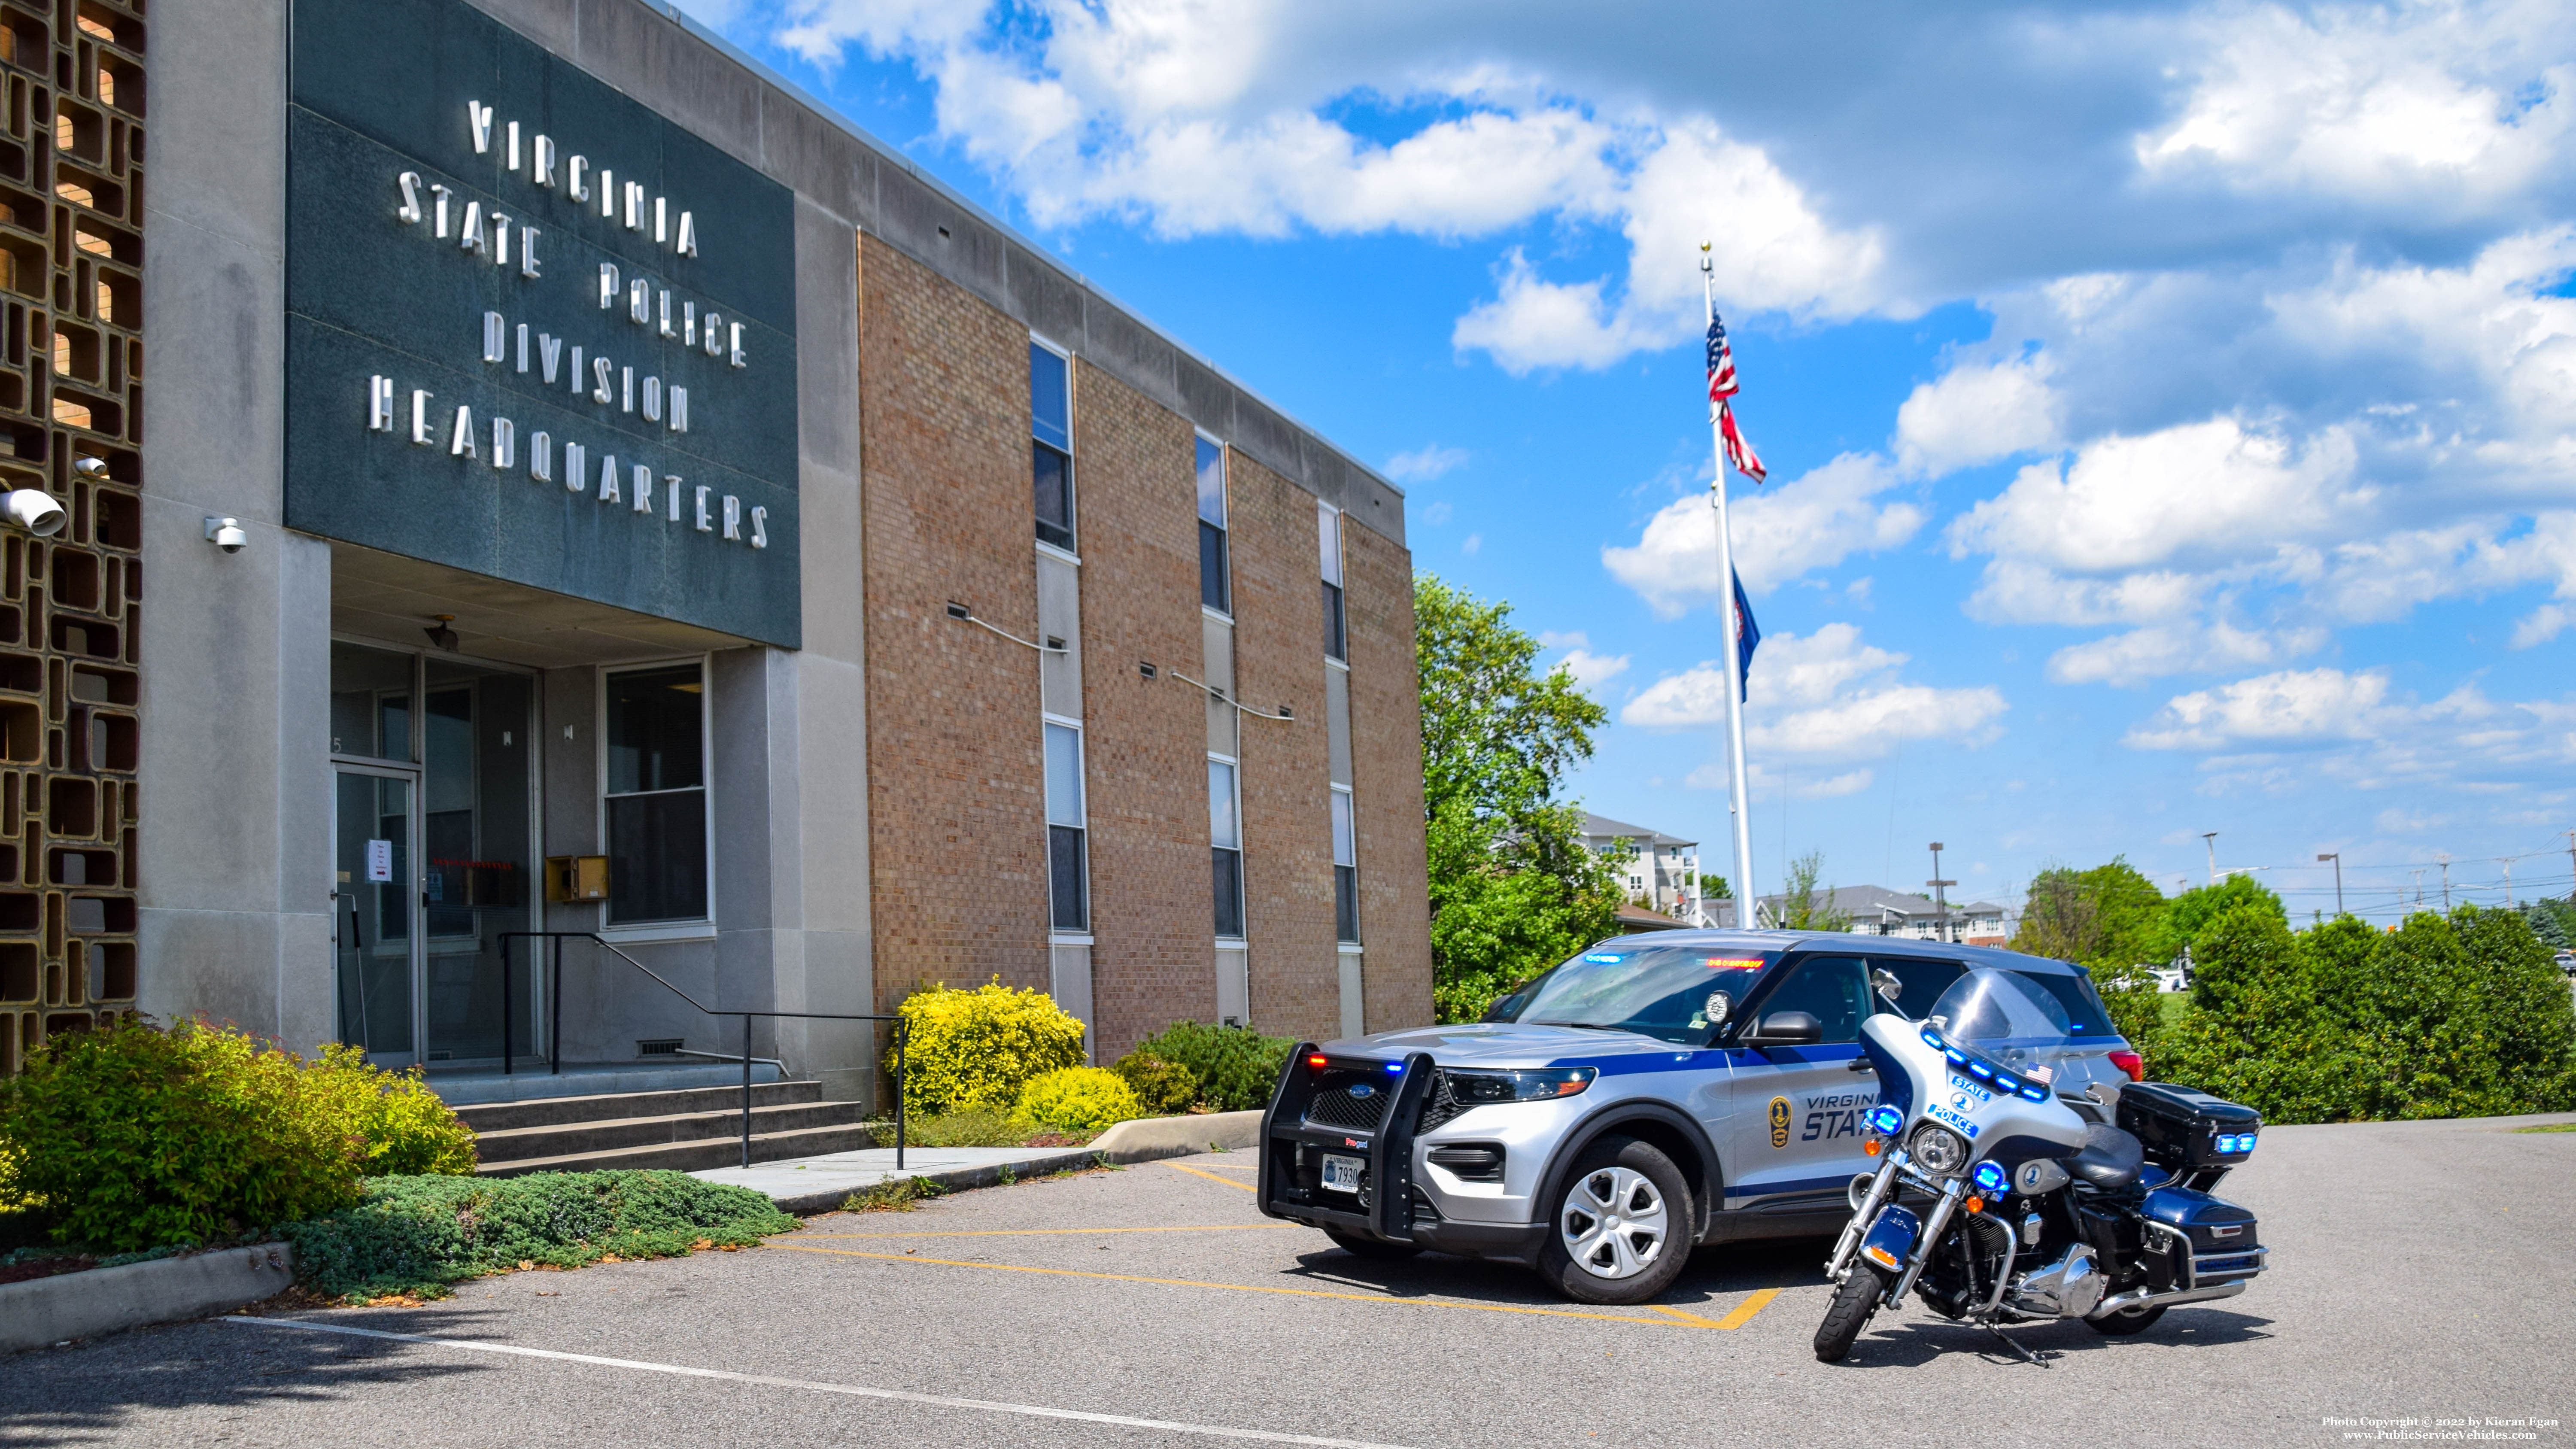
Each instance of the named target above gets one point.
<point>2421,1269</point>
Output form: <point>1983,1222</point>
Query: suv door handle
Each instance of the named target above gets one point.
<point>1861,1064</point>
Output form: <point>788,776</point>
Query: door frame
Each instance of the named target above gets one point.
<point>416,942</point>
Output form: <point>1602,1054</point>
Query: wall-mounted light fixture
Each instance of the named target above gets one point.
<point>223,533</point>
<point>440,636</point>
<point>34,510</point>
<point>966,615</point>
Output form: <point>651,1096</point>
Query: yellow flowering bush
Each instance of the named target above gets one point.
<point>1079,1099</point>
<point>978,1048</point>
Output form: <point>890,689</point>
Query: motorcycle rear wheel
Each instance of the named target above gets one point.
<point>2121,1325</point>
<point>1855,1303</point>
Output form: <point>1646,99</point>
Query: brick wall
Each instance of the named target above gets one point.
<point>1386,780</point>
<point>1287,809</point>
<point>956,825</point>
<point>1153,959</point>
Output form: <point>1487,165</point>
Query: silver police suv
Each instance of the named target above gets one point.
<point>1654,1094</point>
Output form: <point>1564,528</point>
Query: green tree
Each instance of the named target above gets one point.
<point>2186,914</point>
<point>1801,908</point>
<point>1513,889</point>
<point>2111,921</point>
<point>1715,888</point>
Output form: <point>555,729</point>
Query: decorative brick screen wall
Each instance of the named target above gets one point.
<point>71,367</point>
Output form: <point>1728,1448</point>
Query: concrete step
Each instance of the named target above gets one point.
<point>486,1117</point>
<point>694,1156</point>
<point>614,1134</point>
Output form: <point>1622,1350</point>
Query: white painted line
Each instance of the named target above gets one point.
<point>938,1401</point>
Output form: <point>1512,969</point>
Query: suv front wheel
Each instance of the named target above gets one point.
<point>1622,1227</point>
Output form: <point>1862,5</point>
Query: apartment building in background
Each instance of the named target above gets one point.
<point>1658,871</point>
<point>1878,911</point>
<point>591,488</point>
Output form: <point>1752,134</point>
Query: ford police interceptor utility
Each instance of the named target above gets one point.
<point>1653,1094</point>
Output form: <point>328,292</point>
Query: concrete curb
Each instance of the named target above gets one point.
<point>1148,1138</point>
<point>44,1311</point>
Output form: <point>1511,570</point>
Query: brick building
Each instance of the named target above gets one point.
<point>598,491</point>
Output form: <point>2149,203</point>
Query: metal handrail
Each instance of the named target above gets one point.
<point>554,1019</point>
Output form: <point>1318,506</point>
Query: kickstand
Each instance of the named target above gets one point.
<point>2008,1342</point>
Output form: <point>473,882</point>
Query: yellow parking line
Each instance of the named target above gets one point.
<point>1745,1310</point>
<point>1693,1319</point>
<point>1055,1232</point>
<point>1751,1306</point>
<point>1210,1176</point>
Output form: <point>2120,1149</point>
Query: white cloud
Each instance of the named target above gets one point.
<point>2288,706</point>
<point>1976,414</point>
<point>1781,532</point>
<point>1765,783</point>
<point>2302,727</point>
<point>1825,695</point>
<point>2542,625</point>
<point>2181,648</point>
<point>1437,514</point>
<point>1425,463</point>
<point>1590,670</point>
<point>1475,543</point>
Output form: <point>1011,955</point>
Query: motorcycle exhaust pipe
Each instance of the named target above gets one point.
<point>2142,1298</point>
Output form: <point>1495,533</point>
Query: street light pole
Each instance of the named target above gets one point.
<point>2337,857</point>
<point>2210,839</point>
<point>1940,902</point>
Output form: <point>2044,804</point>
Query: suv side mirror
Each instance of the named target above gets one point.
<point>1788,1028</point>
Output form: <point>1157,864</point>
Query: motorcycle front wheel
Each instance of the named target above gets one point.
<point>1855,1302</point>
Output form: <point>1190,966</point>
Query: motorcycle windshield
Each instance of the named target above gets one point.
<point>1991,1008</point>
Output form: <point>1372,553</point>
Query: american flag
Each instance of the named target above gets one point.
<point>1722,385</point>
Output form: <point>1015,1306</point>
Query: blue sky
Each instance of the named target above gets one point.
<point>2171,409</point>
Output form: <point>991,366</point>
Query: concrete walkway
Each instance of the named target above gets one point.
<point>818,1184</point>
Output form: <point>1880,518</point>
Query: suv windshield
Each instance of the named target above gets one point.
<point>1992,1008</point>
<point>1659,991</point>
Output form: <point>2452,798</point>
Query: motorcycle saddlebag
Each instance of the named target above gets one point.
<point>2182,1129</point>
<point>2224,1240</point>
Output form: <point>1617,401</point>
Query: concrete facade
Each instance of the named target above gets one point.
<point>877,794</point>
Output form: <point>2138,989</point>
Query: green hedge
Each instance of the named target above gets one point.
<point>417,1235</point>
<point>137,1137</point>
<point>1234,1068</point>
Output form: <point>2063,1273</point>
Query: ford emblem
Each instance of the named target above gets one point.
<point>1364,1090</point>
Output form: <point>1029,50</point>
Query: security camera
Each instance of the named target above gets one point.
<point>226,534</point>
<point>34,510</point>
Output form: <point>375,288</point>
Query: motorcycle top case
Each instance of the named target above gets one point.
<point>2181,1128</point>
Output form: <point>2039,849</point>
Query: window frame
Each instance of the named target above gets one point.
<point>702,928</point>
<point>1242,893</point>
<point>1072,542</point>
<point>1342,796</point>
<point>1333,572</point>
<point>1056,934</point>
<point>1224,531</point>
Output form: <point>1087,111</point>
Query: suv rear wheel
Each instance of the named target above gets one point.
<point>1622,1226</point>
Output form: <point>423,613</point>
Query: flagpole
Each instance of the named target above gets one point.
<point>1740,805</point>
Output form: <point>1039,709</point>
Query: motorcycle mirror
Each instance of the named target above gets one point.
<point>1717,1006</point>
<point>1885,983</point>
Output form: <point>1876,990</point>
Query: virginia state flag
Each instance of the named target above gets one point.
<point>1748,637</point>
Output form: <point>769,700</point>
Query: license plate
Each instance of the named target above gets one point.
<point>1342,1174</point>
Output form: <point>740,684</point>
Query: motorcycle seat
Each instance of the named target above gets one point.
<point>2110,1158</point>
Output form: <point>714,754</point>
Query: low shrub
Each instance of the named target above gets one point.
<point>1079,1099</point>
<point>1162,1088</point>
<point>1234,1068</point>
<point>894,1195</point>
<point>978,1048</point>
<point>978,1127</point>
<point>414,1236</point>
<point>137,1137</point>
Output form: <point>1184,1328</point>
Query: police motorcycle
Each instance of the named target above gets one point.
<point>2000,1203</point>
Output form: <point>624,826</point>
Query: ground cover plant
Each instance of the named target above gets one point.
<point>415,1236</point>
<point>139,1137</point>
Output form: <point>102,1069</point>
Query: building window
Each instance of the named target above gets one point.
<point>1328,528</point>
<point>1216,590</point>
<point>1346,869</point>
<point>1051,445</point>
<point>1068,891</point>
<point>657,795</point>
<point>1225,848</point>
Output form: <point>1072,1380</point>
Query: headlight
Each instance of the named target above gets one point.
<point>1989,1177</point>
<point>1938,1148</point>
<point>1476,1089</point>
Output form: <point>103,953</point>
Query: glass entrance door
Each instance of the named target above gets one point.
<point>477,813</point>
<point>372,929</point>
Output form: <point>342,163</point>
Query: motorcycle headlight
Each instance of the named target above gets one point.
<point>1939,1149</point>
<point>1989,1177</point>
<point>1477,1089</point>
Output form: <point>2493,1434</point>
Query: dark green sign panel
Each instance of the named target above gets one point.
<point>534,330</point>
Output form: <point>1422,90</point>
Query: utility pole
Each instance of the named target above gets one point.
<point>2419,888</point>
<point>2337,857</point>
<point>2571,864</point>
<point>1940,902</point>
<point>2446,883</point>
<point>2210,839</point>
<point>2508,882</point>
